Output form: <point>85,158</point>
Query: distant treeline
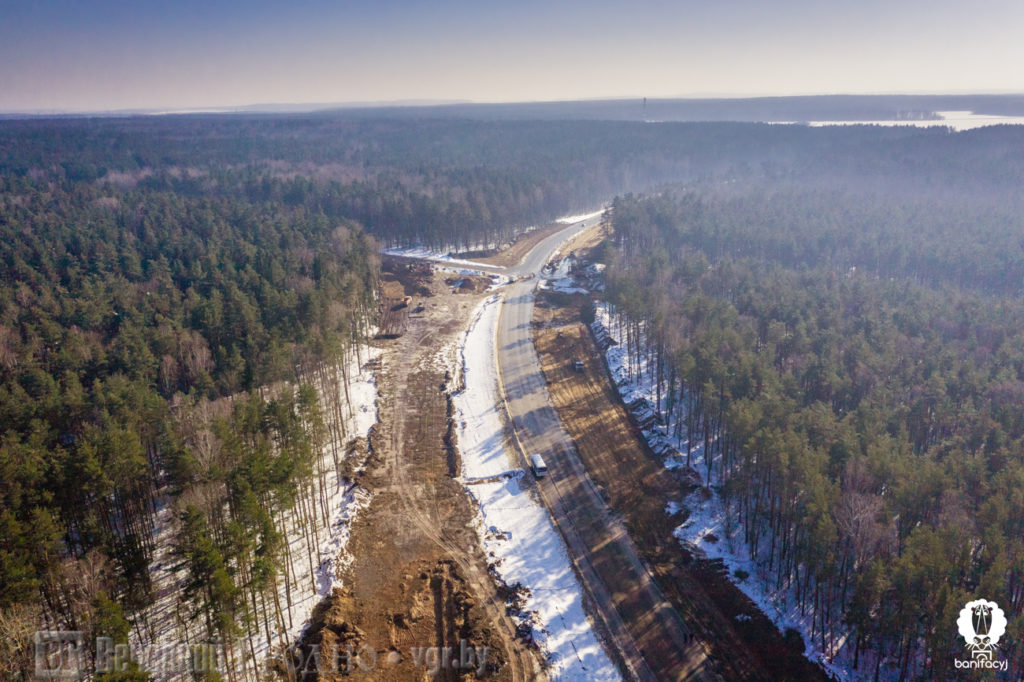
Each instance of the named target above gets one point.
<point>457,183</point>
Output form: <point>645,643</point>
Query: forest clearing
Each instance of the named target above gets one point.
<point>419,578</point>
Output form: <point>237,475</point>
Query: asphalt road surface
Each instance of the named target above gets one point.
<point>646,632</point>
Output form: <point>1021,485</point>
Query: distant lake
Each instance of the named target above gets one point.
<point>958,120</point>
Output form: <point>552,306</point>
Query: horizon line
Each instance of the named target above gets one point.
<point>311,107</point>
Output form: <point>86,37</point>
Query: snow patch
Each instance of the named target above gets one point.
<point>496,279</point>
<point>569,219</point>
<point>165,622</point>
<point>563,286</point>
<point>559,279</point>
<point>710,529</point>
<point>477,406</point>
<point>423,253</point>
<point>516,531</point>
<point>345,501</point>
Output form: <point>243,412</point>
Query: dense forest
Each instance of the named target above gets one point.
<point>124,317</point>
<point>457,183</point>
<point>852,359</point>
<point>182,295</point>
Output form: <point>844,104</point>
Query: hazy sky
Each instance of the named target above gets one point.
<point>111,54</point>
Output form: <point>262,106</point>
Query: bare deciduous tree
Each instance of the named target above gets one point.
<point>17,625</point>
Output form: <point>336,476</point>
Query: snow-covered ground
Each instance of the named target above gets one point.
<point>444,256</point>
<point>496,280</point>
<point>569,219</point>
<point>345,500</point>
<point>708,519</point>
<point>165,617</point>
<point>515,528</point>
<point>424,253</point>
<point>559,279</point>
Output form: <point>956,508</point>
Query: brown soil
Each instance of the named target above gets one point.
<point>468,284</point>
<point>401,276</point>
<point>390,288</point>
<point>435,624</point>
<point>636,486</point>
<point>419,583</point>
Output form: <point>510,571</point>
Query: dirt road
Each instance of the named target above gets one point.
<point>419,584</point>
<point>742,641</point>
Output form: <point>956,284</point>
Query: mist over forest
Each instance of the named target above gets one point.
<point>838,309</point>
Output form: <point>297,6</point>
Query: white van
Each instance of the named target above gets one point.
<point>540,470</point>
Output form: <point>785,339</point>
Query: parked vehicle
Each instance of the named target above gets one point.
<point>540,470</point>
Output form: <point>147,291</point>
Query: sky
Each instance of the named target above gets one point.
<point>101,55</point>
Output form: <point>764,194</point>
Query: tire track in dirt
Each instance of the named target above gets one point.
<point>409,354</point>
<point>419,582</point>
